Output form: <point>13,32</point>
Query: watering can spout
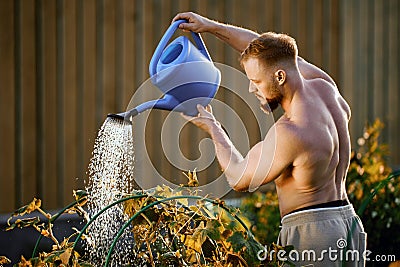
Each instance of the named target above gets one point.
<point>167,102</point>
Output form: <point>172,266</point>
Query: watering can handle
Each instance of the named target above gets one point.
<point>164,41</point>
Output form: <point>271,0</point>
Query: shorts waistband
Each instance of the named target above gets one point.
<point>318,214</point>
<point>330,204</point>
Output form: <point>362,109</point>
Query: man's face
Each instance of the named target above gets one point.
<point>263,84</point>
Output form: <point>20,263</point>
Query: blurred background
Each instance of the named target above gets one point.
<point>66,64</point>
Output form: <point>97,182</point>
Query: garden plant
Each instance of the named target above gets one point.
<point>167,230</point>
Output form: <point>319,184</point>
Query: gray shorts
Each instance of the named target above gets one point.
<point>324,237</point>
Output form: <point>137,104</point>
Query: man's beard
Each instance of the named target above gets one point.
<point>271,105</point>
<point>274,102</point>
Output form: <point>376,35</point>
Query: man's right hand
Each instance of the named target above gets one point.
<point>234,36</point>
<point>196,23</point>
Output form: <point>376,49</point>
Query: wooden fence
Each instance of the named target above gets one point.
<point>65,64</point>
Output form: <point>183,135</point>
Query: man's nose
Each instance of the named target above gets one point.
<point>252,88</point>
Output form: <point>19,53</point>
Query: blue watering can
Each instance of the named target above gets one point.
<point>183,72</point>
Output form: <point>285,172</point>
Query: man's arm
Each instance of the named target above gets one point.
<point>236,37</point>
<point>239,38</point>
<point>263,163</point>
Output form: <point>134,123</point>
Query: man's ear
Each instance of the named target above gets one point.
<point>280,76</point>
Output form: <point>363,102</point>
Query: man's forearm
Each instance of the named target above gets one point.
<point>228,156</point>
<point>234,36</point>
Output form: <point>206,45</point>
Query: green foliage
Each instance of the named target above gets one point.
<point>171,233</point>
<point>368,170</point>
<point>191,235</point>
<point>263,212</point>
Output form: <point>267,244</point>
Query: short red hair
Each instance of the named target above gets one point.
<point>272,48</point>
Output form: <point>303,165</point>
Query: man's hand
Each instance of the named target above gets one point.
<point>196,23</point>
<point>234,36</point>
<point>205,120</point>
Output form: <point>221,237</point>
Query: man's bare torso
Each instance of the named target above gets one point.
<point>317,174</point>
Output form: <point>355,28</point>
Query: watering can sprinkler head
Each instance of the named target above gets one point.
<point>184,72</point>
<point>124,116</point>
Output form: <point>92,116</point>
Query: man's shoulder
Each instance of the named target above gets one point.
<point>287,129</point>
<point>299,134</point>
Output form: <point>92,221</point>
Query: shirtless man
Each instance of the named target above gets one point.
<point>307,151</point>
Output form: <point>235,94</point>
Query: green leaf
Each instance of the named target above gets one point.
<point>81,196</point>
<point>213,229</point>
<point>237,240</point>
<point>34,205</point>
<point>21,223</point>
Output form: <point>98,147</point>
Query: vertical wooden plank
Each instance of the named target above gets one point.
<point>317,28</point>
<point>267,19</point>
<point>378,59</point>
<point>119,54</point>
<point>370,66</point>
<point>18,101</point>
<point>89,83</point>
<point>346,78</point>
<point>70,100</point>
<point>40,99</point>
<point>139,43</point>
<point>359,66</point>
<point>334,41</point>
<point>28,88</point>
<point>80,88</point>
<point>50,95</point>
<point>385,69</point>
<point>326,31</point>
<point>252,6</point>
<point>294,6</point>
<point>99,62</point>
<point>277,7</point>
<point>129,74</point>
<point>7,108</point>
<point>149,42</point>
<point>394,85</point>
<point>286,17</point>
<point>60,96</point>
<point>310,31</point>
<point>302,34</point>
<point>109,58</point>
